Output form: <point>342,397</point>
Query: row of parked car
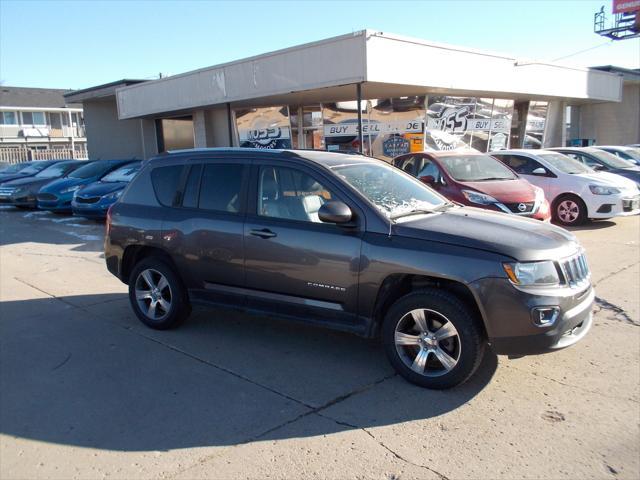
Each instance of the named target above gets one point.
<point>86,188</point>
<point>569,185</point>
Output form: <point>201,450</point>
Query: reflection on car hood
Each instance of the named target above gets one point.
<point>62,183</point>
<point>13,176</point>
<point>520,238</point>
<point>99,189</point>
<point>609,179</point>
<point>28,182</point>
<point>508,191</point>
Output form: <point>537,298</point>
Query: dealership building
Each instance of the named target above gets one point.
<point>367,91</point>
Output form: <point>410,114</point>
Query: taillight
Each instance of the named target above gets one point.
<point>108,221</point>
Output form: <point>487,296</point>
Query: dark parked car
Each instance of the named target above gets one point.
<point>24,170</point>
<point>347,242</point>
<point>93,200</point>
<point>22,192</point>
<point>602,161</point>
<point>478,180</point>
<point>57,196</point>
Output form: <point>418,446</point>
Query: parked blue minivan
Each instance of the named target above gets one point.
<point>93,200</point>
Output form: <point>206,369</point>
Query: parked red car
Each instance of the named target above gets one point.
<point>476,179</point>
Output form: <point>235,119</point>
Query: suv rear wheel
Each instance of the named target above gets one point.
<point>432,339</point>
<point>157,295</point>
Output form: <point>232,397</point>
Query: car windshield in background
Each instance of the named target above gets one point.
<point>475,168</point>
<point>94,169</point>
<point>611,160</point>
<point>15,168</point>
<point>34,168</point>
<point>565,164</point>
<point>55,170</point>
<point>123,174</point>
<point>394,193</point>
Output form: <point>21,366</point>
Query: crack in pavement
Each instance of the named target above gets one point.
<point>620,270</point>
<point>620,313</point>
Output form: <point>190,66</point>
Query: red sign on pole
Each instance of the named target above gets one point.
<point>623,6</point>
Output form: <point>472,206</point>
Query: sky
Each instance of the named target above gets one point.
<point>78,44</point>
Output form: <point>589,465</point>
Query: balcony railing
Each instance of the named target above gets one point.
<point>45,131</point>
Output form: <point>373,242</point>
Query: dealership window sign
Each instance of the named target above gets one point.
<point>265,128</point>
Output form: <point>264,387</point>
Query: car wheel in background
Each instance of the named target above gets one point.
<point>157,295</point>
<point>432,339</point>
<point>569,210</point>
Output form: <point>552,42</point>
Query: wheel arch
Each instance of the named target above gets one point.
<point>396,286</point>
<point>135,253</point>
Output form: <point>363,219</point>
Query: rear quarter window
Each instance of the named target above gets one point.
<point>165,182</point>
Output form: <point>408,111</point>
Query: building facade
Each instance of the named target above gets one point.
<point>367,91</point>
<point>38,123</point>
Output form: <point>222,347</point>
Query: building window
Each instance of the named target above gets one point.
<point>174,133</point>
<point>8,118</point>
<point>34,118</point>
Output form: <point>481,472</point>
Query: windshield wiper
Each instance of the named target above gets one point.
<point>418,211</point>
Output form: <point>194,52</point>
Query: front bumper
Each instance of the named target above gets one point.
<point>608,206</point>
<point>508,314</point>
<point>90,210</point>
<point>60,204</point>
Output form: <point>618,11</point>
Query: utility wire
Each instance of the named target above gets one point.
<point>582,51</point>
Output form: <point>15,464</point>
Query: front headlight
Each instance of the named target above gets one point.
<point>71,189</point>
<point>113,196</point>
<point>479,198</point>
<point>532,273</point>
<point>603,190</point>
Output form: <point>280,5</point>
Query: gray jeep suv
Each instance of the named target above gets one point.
<point>351,243</point>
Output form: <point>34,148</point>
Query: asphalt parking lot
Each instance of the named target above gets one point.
<point>86,391</point>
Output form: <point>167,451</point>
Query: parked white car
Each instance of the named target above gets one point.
<point>631,154</point>
<point>575,191</point>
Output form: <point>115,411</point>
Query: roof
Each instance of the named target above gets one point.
<point>99,91</point>
<point>34,97</point>
<point>628,74</point>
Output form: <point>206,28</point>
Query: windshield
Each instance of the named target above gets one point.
<point>475,168</point>
<point>123,174</point>
<point>565,164</point>
<point>93,169</point>
<point>391,191</point>
<point>611,160</point>
<point>55,170</point>
<point>16,167</point>
<point>34,168</point>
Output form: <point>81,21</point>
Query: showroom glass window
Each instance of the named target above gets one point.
<point>265,128</point>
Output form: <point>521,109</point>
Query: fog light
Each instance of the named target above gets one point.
<point>545,316</point>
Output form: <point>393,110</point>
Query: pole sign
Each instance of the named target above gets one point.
<point>624,6</point>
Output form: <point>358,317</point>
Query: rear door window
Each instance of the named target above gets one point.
<point>220,188</point>
<point>165,183</point>
<point>520,164</point>
<point>192,187</point>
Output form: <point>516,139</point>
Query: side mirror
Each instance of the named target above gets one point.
<point>428,179</point>
<point>335,212</point>
<point>540,172</point>
<point>599,168</point>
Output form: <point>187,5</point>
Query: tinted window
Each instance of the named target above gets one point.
<point>165,183</point>
<point>93,169</point>
<point>522,165</point>
<point>190,197</point>
<point>290,194</point>
<point>220,188</point>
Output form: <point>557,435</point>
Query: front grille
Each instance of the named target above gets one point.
<point>6,191</point>
<point>47,197</point>
<point>87,199</point>
<point>575,270</point>
<point>515,207</point>
<point>630,204</point>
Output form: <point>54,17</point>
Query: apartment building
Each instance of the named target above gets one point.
<point>38,123</point>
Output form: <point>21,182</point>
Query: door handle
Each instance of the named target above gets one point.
<point>264,233</point>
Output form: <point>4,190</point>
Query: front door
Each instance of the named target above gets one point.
<point>294,263</point>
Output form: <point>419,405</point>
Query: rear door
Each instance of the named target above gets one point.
<point>204,227</point>
<point>295,263</point>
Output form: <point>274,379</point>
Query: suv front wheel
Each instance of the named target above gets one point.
<point>432,339</point>
<point>157,295</point>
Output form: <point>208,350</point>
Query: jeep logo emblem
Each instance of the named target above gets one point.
<point>522,207</point>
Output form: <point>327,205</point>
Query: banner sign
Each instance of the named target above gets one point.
<point>460,123</point>
<point>351,129</point>
<point>623,6</point>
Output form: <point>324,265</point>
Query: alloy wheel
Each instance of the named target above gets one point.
<point>427,342</point>
<point>568,211</point>
<point>153,294</point>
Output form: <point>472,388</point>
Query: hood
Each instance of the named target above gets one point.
<point>505,191</point>
<point>62,183</point>
<point>29,182</point>
<point>13,176</point>
<point>610,179</point>
<point>98,189</point>
<point>520,238</point>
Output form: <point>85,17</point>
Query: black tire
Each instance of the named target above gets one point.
<point>573,218</point>
<point>174,294</point>
<point>469,342</point>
